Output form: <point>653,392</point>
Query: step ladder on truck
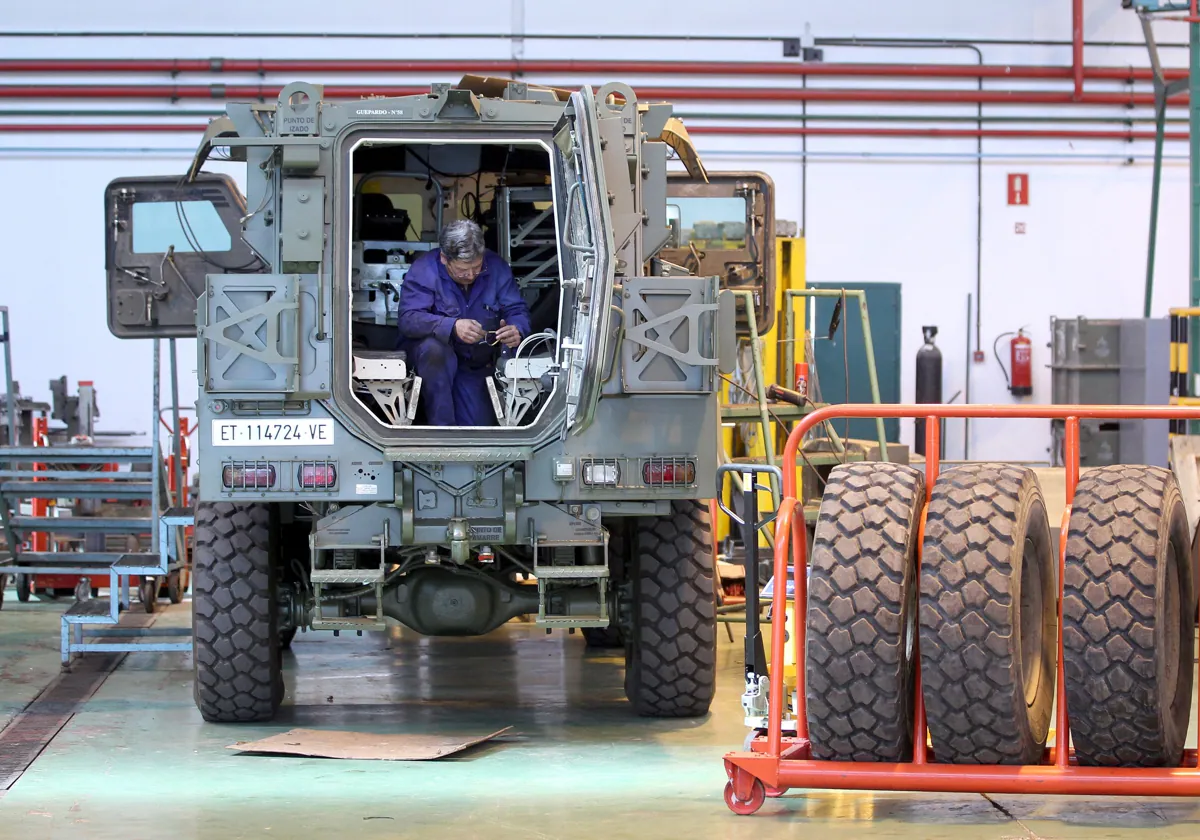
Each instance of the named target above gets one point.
<point>50,473</point>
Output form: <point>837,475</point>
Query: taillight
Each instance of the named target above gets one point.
<point>669,472</point>
<point>248,477</point>
<point>317,476</point>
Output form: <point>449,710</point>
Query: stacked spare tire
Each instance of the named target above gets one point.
<point>965,584</point>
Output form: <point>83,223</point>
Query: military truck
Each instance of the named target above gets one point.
<point>325,500</point>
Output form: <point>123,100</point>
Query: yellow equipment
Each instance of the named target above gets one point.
<point>744,434</point>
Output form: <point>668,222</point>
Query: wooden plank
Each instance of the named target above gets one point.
<point>1185,452</point>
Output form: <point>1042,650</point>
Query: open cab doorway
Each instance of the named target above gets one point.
<point>404,193</point>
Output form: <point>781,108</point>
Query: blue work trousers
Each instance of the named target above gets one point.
<point>452,393</point>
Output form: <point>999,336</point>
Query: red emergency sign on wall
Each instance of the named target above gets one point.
<point>1018,189</point>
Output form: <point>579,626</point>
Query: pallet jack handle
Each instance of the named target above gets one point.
<point>756,658</point>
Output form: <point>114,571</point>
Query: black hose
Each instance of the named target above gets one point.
<point>999,361</point>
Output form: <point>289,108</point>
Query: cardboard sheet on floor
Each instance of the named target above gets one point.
<point>319,743</point>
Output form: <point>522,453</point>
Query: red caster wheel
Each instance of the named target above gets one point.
<point>758,795</point>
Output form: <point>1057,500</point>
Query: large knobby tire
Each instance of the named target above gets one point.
<point>1128,618</point>
<point>235,644</point>
<point>989,616</point>
<point>862,614</point>
<point>670,669</point>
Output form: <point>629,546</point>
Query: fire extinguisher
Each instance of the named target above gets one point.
<point>1020,354</point>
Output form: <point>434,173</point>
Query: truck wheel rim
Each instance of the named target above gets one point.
<point>1032,628</point>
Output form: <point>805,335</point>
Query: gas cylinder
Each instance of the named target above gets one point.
<point>929,382</point>
<point>1021,352</point>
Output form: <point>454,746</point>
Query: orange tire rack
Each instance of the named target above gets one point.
<point>776,763</point>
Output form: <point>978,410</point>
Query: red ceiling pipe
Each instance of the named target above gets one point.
<point>99,128</point>
<point>1077,45</point>
<point>1126,74</point>
<point>726,130</point>
<point>578,67</point>
<point>892,95</point>
<point>675,94</point>
<point>252,65</point>
<point>174,92</point>
<point>943,133</point>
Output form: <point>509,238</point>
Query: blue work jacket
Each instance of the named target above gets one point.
<point>430,303</point>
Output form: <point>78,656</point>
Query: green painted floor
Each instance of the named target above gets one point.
<point>137,761</point>
<point>29,658</point>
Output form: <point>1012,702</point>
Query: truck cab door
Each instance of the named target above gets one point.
<point>725,227</point>
<point>164,235</point>
<point>588,265</point>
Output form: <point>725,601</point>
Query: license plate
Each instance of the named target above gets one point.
<point>272,432</point>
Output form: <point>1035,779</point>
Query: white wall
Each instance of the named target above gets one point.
<point>894,210</point>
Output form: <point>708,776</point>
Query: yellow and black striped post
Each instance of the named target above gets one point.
<point>1180,374</point>
<point>1176,320</point>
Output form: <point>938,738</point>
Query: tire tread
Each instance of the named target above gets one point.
<point>858,682</point>
<point>673,670</point>
<point>1110,617</point>
<point>238,674</point>
<point>973,700</point>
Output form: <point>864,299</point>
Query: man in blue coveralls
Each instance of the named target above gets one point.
<point>458,302</point>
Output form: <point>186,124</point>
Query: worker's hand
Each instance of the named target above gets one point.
<point>468,331</point>
<point>508,334</point>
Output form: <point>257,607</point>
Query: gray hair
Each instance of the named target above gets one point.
<point>461,241</point>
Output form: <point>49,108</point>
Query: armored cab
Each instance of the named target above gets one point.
<point>327,500</point>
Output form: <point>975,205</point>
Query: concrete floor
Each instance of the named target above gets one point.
<point>137,762</point>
